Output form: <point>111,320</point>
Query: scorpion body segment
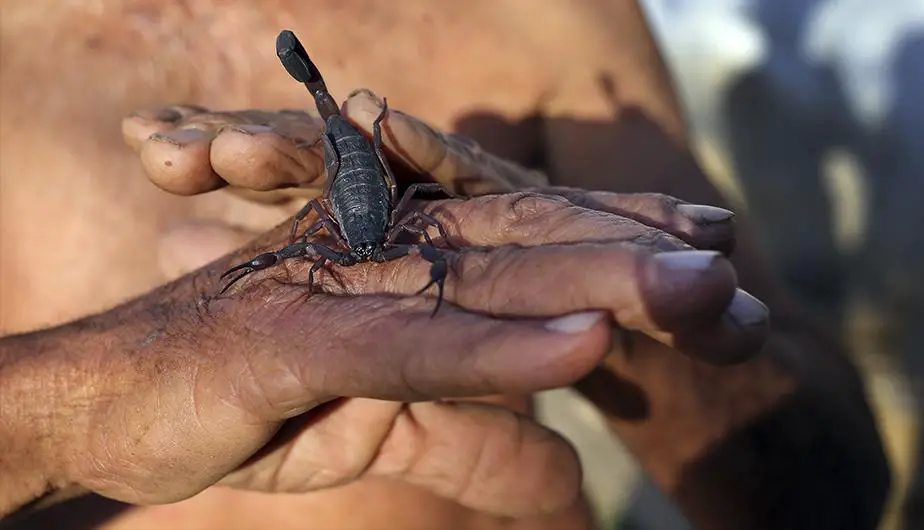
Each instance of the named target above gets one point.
<point>359,196</point>
<point>359,205</point>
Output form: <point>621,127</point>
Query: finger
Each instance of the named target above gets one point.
<point>177,161</point>
<point>483,457</point>
<point>643,290</point>
<point>140,125</point>
<point>455,161</point>
<point>685,299</point>
<point>646,288</point>
<point>261,158</point>
<point>688,300</point>
<point>200,151</point>
<point>173,143</point>
<point>653,292</point>
<point>387,348</point>
<point>674,298</point>
<point>709,318</point>
<point>702,226</point>
<point>531,219</point>
<point>188,246</point>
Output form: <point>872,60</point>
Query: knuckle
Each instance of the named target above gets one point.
<point>524,207</point>
<point>660,241</point>
<point>484,277</point>
<point>206,119</point>
<point>659,202</point>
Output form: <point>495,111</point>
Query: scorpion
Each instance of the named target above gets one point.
<point>359,205</point>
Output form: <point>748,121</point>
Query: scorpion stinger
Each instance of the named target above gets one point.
<point>359,206</point>
<point>296,61</point>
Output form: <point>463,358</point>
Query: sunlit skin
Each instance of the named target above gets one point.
<point>607,119</point>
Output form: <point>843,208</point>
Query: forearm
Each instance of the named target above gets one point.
<point>52,382</point>
<point>33,384</point>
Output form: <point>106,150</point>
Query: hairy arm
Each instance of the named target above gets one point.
<point>35,380</point>
<point>785,441</point>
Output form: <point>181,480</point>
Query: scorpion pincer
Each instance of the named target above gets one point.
<point>358,206</point>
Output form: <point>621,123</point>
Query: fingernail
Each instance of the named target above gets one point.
<point>377,100</point>
<point>293,412</point>
<point>747,311</point>
<point>695,260</point>
<point>575,322</point>
<point>249,129</point>
<point>180,137</point>
<point>703,214</point>
<point>167,114</point>
<point>170,114</point>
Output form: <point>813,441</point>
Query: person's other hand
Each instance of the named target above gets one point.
<point>189,150</point>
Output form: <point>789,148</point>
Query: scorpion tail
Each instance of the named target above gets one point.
<point>296,61</point>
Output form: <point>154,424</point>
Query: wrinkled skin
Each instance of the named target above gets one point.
<point>629,138</point>
<point>286,345</point>
<point>222,374</point>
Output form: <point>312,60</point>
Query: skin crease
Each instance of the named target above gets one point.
<point>91,203</point>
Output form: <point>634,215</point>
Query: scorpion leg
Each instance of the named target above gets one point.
<point>268,259</point>
<point>427,187</point>
<point>315,268</point>
<point>438,267</point>
<point>324,220</point>
<point>377,144</point>
<point>410,229</point>
<point>407,225</point>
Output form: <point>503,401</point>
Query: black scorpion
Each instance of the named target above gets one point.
<point>360,192</point>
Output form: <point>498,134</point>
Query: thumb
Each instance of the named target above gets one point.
<point>186,247</point>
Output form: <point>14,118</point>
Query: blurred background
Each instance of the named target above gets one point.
<point>809,114</point>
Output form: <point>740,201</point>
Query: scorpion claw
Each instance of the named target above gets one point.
<point>232,282</point>
<point>232,269</point>
<point>258,263</point>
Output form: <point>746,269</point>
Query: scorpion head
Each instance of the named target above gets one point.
<point>364,251</point>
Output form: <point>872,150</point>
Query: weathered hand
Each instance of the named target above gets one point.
<point>659,222</point>
<point>190,150</point>
<point>176,391</point>
<point>530,254</point>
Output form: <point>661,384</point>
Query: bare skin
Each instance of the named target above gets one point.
<point>558,72</point>
<point>176,384</point>
<point>633,282</point>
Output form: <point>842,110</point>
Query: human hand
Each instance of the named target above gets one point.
<point>190,150</point>
<point>701,226</point>
<point>212,161</point>
<point>176,391</point>
<point>188,247</point>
